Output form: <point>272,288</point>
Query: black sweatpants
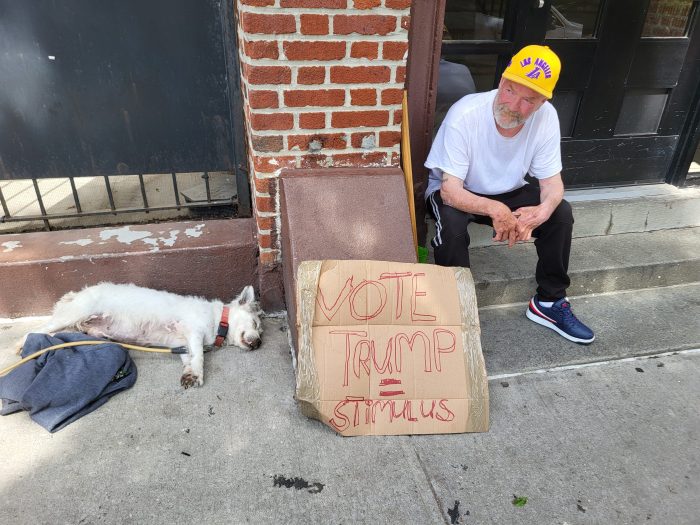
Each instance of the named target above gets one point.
<point>552,238</point>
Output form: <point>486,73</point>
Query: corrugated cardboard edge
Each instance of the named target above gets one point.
<point>308,391</point>
<point>471,342</point>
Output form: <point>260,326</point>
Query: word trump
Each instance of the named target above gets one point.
<point>361,352</point>
<point>368,299</point>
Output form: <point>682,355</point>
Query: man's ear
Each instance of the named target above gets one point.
<point>247,296</point>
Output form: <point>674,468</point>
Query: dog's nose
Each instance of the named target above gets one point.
<point>254,343</point>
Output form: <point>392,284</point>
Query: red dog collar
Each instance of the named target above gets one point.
<point>223,329</point>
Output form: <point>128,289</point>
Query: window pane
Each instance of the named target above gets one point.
<point>572,19</point>
<point>474,19</point>
<point>641,112</point>
<point>667,18</point>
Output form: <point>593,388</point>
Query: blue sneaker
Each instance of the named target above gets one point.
<point>561,319</point>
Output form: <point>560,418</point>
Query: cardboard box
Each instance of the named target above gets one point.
<point>390,348</point>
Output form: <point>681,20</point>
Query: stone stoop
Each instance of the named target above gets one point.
<point>214,259</point>
<point>624,239</point>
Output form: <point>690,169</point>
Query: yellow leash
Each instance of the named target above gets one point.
<point>177,350</point>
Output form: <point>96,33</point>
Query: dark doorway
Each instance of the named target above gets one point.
<point>629,77</point>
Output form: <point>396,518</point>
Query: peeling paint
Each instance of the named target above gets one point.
<point>194,232</point>
<point>11,245</point>
<point>170,241</point>
<point>79,242</point>
<point>124,235</point>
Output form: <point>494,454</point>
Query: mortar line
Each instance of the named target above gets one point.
<point>496,377</point>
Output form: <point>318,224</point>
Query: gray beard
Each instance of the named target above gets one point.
<point>505,118</point>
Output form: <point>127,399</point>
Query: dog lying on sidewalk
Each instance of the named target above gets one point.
<point>132,314</point>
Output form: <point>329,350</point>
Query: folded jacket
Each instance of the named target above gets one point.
<point>63,385</point>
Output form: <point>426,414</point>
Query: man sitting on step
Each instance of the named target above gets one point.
<point>484,148</point>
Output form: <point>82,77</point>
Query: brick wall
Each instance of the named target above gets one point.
<point>322,85</point>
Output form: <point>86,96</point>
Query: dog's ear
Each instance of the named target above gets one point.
<point>247,296</point>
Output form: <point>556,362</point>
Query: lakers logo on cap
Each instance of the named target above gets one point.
<point>536,67</point>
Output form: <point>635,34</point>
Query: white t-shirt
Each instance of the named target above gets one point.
<point>469,146</point>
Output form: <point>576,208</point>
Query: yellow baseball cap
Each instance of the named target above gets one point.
<point>536,67</point>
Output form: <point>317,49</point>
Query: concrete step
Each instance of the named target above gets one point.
<point>213,258</point>
<point>598,264</point>
<point>611,211</point>
<point>627,324</point>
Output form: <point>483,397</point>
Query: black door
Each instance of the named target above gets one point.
<point>630,76</point>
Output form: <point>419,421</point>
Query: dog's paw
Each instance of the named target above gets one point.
<point>189,378</point>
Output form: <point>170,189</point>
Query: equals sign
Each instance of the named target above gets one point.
<point>389,393</point>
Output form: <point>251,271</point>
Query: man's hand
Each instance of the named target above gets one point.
<point>505,223</point>
<point>529,218</point>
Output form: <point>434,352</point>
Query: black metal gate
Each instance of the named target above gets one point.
<point>100,88</point>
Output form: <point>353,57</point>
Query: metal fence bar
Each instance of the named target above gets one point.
<point>143,192</point>
<point>109,193</point>
<point>221,202</point>
<point>37,191</point>
<point>5,210</point>
<point>75,195</point>
<point>206,183</point>
<point>177,192</point>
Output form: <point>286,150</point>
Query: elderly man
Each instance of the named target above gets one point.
<point>484,148</point>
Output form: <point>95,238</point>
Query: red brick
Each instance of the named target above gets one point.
<point>267,143</point>
<point>394,50</point>
<point>398,4</point>
<point>314,24</point>
<point>265,223</point>
<point>312,120</point>
<point>261,49</point>
<point>261,121</point>
<point>395,159</point>
<point>328,4</point>
<point>266,240</point>
<point>401,74</point>
<point>360,75</point>
<point>364,24</point>
<point>327,97</point>
<point>258,3</point>
<point>311,75</point>
<point>363,97</point>
<point>316,161</point>
<point>272,164</point>
<point>269,258</point>
<point>392,96</point>
<point>366,4</point>
<point>327,141</point>
<point>352,119</point>
<point>314,50</point>
<point>375,158</point>
<point>398,114</point>
<point>357,138</point>
<point>268,24</point>
<point>389,139</point>
<point>266,185</point>
<point>364,50</point>
<point>267,74</point>
<point>265,204</point>
<point>406,22</point>
<point>263,99</point>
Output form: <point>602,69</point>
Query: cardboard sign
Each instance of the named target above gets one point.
<point>390,348</point>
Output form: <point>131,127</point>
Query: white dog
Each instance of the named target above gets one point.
<point>141,316</point>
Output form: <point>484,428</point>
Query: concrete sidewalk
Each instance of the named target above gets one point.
<point>611,442</point>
